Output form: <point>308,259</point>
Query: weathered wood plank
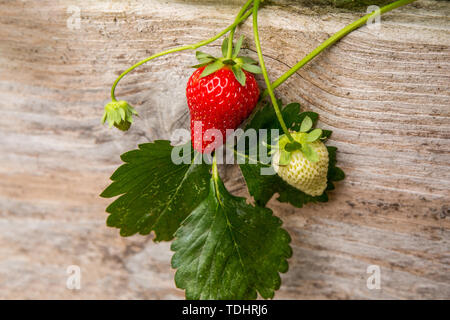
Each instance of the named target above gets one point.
<point>384,93</point>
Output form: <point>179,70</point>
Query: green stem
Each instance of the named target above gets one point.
<point>215,171</point>
<point>216,178</point>
<point>188,47</point>
<point>330,41</point>
<point>230,38</point>
<point>264,70</point>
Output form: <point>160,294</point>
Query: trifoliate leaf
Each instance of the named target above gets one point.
<point>156,194</point>
<point>238,46</point>
<point>228,249</point>
<point>263,187</point>
<point>239,74</point>
<point>211,68</point>
<point>306,124</point>
<point>313,135</point>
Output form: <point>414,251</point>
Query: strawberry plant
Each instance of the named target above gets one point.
<point>225,247</point>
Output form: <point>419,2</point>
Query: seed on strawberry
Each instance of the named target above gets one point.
<point>221,94</point>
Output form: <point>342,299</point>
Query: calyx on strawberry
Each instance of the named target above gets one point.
<point>303,163</point>
<point>119,114</point>
<point>221,94</point>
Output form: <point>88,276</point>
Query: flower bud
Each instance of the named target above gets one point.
<point>119,114</point>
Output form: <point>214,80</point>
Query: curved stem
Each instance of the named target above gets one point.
<point>330,41</point>
<point>230,38</point>
<point>188,47</point>
<point>264,71</point>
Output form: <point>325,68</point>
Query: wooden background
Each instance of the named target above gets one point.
<point>385,94</point>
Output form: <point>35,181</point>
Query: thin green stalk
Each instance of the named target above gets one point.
<point>264,70</point>
<point>188,47</point>
<point>216,178</point>
<point>230,38</point>
<point>215,171</point>
<point>330,41</point>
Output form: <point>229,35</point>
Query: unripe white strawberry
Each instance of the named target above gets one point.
<point>305,168</point>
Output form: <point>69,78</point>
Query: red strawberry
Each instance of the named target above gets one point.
<point>221,94</point>
<point>219,102</point>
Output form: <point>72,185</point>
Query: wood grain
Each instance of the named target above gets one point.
<point>385,94</point>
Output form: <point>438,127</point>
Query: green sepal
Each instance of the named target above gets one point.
<point>251,68</point>
<point>285,158</point>
<point>314,135</point>
<point>236,62</point>
<point>309,153</point>
<point>225,47</point>
<point>200,65</point>
<point>211,68</point>
<point>292,146</point>
<point>239,74</point>
<point>306,125</point>
<point>119,114</point>
<point>238,46</point>
<point>229,62</point>
<point>247,60</point>
<point>202,55</point>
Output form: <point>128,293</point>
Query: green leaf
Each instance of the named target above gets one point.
<point>263,187</point>
<point>211,68</point>
<point>251,68</point>
<point>314,135</point>
<point>155,194</point>
<point>306,125</point>
<point>225,47</point>
<point>228,249</point>
<point>238,46</point>
<point>239,74</point>
<point>326,134</point>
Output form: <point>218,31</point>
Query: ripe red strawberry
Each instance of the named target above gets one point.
<point>220,102</point>
<point>220,96</point>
